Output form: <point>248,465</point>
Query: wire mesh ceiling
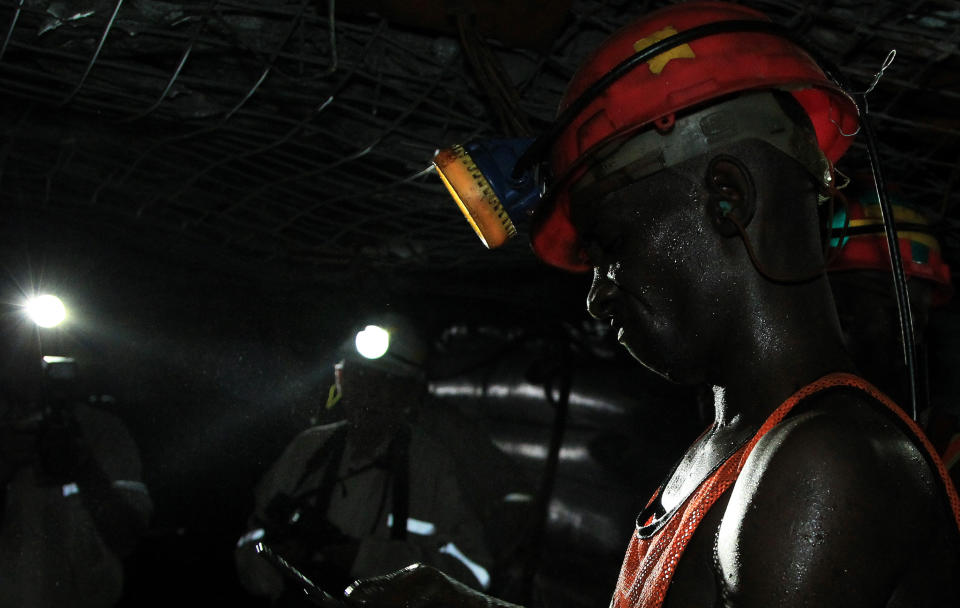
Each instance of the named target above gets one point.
<point>301,132</point>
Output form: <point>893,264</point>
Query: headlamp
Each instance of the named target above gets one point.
<point>372,341</point>
<point>498,182</point>
<point>45,310</point>
<point>389,343</point>
<point>480,177</point>
<point>572,137</point>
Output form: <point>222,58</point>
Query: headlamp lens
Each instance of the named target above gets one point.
<point>372,341</point>
<point>46,310</point>
<point>479,177</point>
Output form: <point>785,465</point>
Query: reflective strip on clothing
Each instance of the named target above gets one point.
<point>478,571</point>
<point>72,488</point>
<point>415,526</point>
<point>251,536</point>
<point>133,486</point>
<point>518,497</point>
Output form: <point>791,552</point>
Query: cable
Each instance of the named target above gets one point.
<point>830,257</point>
<point>13,25</point>
<point>493,77</point>
<point>905,312</point>
<point>878,228</point>
<point>767,274</point>
<point>96,55</point>
<point>542,144</point>
<point>176,72</point>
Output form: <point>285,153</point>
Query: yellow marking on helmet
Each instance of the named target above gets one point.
<point>902,213</point>
<point>917,237</point>
<point>657,64</point>
<point>873,216</point>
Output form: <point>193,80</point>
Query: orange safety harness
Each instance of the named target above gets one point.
<point>651,560</point>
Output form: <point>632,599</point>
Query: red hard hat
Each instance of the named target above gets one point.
<point>685,76</point>
<point>920,251</point>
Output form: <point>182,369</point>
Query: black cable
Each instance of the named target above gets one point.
<point>879,228</point>
<point>539,147</point>
<point>904,310</point>
<point>400,473</point>
<point>834,252</point>
<point>564,375</point>
<point>537,151</point>
<point>770,276</point>
<point>492,76</point>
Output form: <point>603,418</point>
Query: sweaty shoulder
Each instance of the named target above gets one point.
<point>834,506</point>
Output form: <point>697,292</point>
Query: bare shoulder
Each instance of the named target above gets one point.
<point>835,503</point>
<point>848,443</point>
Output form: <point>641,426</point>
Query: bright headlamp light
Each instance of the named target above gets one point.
<point>45,310</point>
<point>372,341</point>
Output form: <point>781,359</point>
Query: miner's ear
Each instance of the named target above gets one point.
<point>732,197</point>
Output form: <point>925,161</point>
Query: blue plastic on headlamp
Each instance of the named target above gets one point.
<point>480,177</point>
<point>492,201</point>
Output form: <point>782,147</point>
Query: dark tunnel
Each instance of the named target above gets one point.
<point>221,192</point>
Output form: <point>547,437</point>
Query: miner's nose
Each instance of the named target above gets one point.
<point>601,295</point>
